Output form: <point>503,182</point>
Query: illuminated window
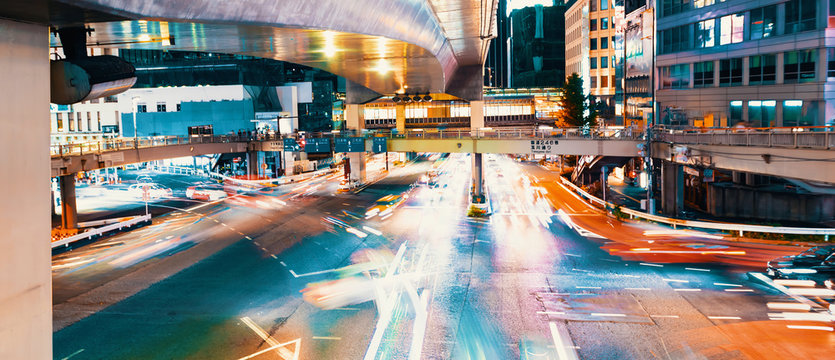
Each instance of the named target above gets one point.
<point>735,112</point>
<point>604,23</point>
<point>704,33</point>
<point>730,29</point>
<point>761,112</point>
<point>604,4</point>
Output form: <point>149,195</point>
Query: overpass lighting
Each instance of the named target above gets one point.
<point>545,127</point>
<point>144,37</point>
<point>329,48</point>
<point>382,67</point>
<point>486,129</point>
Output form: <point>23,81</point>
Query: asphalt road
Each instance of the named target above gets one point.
<point>300,271</point>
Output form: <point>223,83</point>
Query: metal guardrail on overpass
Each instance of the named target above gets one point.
<point>98,147</point>
<point>814,137</point>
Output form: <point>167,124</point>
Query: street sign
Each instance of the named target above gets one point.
<point>349,144</point>
<point>379,145</point>
<point>291,145</point>
<point>545,146</point>
<point>317,145</point>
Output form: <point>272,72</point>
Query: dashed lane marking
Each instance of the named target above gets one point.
<point>724,317</point>
<point>697,269</point>
<point>665,316</point>
<point>677,280</point>
<point>573,255</point>
<point>589,287</point>
<point>687,289</point>
<point>650,264</point>
<point>724,284</point>
<point>739,290</point>
<point>326,338</point>
<point>638,289</point>
<point>608,315</point>
<point>273,256</point>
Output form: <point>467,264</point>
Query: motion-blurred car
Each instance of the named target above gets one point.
<point>344,186</point>
<point>205,192</point>
<point>155,191</point>
<point>811,263</point>
<point>384,206</point>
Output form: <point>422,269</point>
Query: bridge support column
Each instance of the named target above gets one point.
<point>400,118</point>
<point>253,163</point>
<point>354,117</point>
<point>672,188</point>
<point>356,167</point>
<point>25,260</point>
<point>478,178</point>
<point>69,211</point>
<point>289,163</point>
<point>476,114</point>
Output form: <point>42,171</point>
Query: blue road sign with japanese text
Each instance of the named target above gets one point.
<point>349,144</point>
<point>290,145</point>
<point>379,145</point>
<point>317,145</point>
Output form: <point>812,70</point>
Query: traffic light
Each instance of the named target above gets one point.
<point>302,142</point>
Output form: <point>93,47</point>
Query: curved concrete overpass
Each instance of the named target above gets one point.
<point>386,46</point>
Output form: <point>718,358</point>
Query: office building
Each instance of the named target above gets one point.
<point>537,44</point>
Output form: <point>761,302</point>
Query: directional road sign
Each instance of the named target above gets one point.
<point>291,145</point>
<point>317,145</point>
<point>349,144</point>
<point>379,145</point>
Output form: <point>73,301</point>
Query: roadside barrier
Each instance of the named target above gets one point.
<point>741,228</point>
<point>101,230</point>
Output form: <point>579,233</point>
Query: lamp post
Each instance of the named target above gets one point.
<point>135,102</point>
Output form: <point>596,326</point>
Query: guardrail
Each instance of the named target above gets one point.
<point>813,137</point>
<point>276,181</point>
<point>98,231</point>
<point>741,228</point>
<point>175,170</point>
<point>99,147</point>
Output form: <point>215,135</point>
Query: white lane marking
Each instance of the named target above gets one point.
<point>581,270</point>
<point>347,309</point>
<point>665,316</point>
<point>224,224</point>
<point>793,282</point>
<point>808,327</point>
<point>313,273</point>
<point>724,284</point>
<point>293,273</point>
<point>248,238</point>
<point>641,289</point>
<point>589,287</point>
<point>677,280</point>
<point>608,314</point>
<point>573,255</point>
<point>265,250</point>
<point>562,343</point>
<point>739,290</point>
<point>326,338</point>
<point>724,317</point>
<point>630,276</point>
<point>697,269</point>
<point>687,289</point>
<point>610,260</point>
<point>372,230</point>
<point>273,256</point>
<point>788,306</point>
<point>649,264</point>
<point>73,354</point>
<point>282,263</point>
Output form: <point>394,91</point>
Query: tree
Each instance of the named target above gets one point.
<point>576,109</point>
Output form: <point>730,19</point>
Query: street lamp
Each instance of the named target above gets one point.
<point>135,102</point>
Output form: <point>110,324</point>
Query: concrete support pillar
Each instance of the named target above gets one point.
<point>478,176</point>
<point>476,114</point>
<point>780,61</point>
<point>253,163</point>
<point>289,163</point>
<point>778,114</point>
<point>277,159</point>
<point>672,188</point>
<point>400,118</point>
<point>69,211</point>
<point>25,256</point>
<point>357,167</point>
<point>354,117</point>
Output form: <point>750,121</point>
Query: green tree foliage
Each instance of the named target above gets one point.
<point>574,105</point>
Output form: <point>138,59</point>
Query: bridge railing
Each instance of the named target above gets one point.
<point>97,147</point>
<point>810,137</point>
<point>515,133</point>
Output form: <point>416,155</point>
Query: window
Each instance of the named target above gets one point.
<point>800,15</point>
<point>141,108</point>
<point>592,5</point>
<point>763,22</point>
<point>604,81</point>
<point>111,99</point>
<point>704,33</point>
<point>672,7</point>
<point>730,29</point>
<point>793,114</point>
<point>675,77</point>
<point>594,81</point>
<point>830,60</point>
<point>703,74</point>
<point>675,39</point>
<point>604,23</point>
<point>178,107</point>
<point>698,4</point>
<point>78,121</point>
<point>89,122</point>
<point>604,43</point>
<point>59,122</point>
<point>592,44</point>
<point>735,112</point>
<point>604,62</point>
<point>592,24</point>
<point>762,69</point>
<point>604,4</point>
<point>98,120</point>
<point>730,72</point>
<point>799,66</point>
<point>160,107</point>
<point>593,63</point>
<point>761,113</point>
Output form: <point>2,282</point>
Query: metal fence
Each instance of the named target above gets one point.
<point>801,138</point>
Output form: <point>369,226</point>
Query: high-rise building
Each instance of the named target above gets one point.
<point>594,50</point>
<point>537,46</point>
<point>496,65</point>
<point>757,63</point>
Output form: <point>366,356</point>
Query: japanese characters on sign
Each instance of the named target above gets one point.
<point>543,146</point>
